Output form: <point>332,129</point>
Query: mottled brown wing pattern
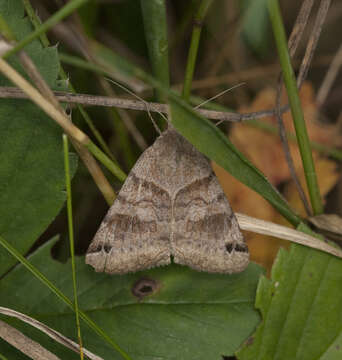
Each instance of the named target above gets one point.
<point>135,233</point>
<point>170,204</point>
<point>205,233</point>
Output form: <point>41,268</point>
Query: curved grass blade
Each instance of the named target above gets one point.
<point>71,238</point>
<point>296,109</point>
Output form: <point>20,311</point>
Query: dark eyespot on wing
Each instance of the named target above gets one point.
<point>241,248</point>
<point>229,247</point>
<point>106,248</point>
<point>237,247</point>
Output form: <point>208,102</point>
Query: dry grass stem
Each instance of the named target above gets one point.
<point>282,232</point>
<point>39,100</point>
<point>329,78</point>
<point>94,100</point>
<point>313,41</point>
<point>27,346</point>
<point>53,334</point>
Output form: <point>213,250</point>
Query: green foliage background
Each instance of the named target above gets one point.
<point>191,315</point>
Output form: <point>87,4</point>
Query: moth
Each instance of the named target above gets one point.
<point>171,204</point>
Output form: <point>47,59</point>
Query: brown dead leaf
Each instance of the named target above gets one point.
<point>265,150</point>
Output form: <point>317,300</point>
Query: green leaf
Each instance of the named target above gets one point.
<point>301,309</point>
<point>31,152</point>
<point>255,25</point>
<point>190,315</point>
<point>214,144</point>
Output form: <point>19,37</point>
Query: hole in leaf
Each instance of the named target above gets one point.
<point>144,287</point>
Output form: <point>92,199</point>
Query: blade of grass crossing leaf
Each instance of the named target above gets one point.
<point>2,357</point>
<point>61,296</point>
<point>195,39</point>
<point>65,11</point>
<point>297,113</point>
<point>71,237</point>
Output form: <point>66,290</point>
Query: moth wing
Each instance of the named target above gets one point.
<point>206,234</point>
<point>135,233</point>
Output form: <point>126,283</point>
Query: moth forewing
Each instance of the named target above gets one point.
<point>170,204</point>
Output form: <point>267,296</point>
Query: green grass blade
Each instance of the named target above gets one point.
<point>106,161</point>
<point>52,21</point>
<point>195,39</point>
<point>155,24</point>
<point>71,238</point>
<point>61,296</point>
<point>296,109</point>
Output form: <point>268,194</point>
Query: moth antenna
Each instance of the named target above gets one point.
<point>143,101</point>
<point>218,95</point>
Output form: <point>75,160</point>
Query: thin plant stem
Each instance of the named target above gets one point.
<point>94,130</point>
<point>52,21</point>
<point>61,296</point>
<point>192,56</point>
<point>224,115</point>
<point>106,161</point>
<point>329,78</point>
<point>142,105</point>
<point>294,101</point>
<point>2,357</point>
<point>71,238</point>
<point>295,37</point>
